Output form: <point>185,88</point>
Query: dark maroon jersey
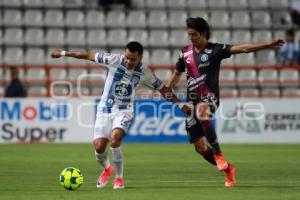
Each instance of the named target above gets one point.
<point>202,69</point>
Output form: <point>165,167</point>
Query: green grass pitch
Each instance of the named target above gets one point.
<point>152,172</point>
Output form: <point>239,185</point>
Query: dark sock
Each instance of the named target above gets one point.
<point>211,136</point>
<point>209,156</point>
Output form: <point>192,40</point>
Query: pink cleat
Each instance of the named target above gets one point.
<point>222,164</point>
<point>118,183</point>
<point>104,176</point>
<point>230,176</point>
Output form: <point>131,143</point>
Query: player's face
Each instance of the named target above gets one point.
<point>195,37</point>
<point>132,59</point>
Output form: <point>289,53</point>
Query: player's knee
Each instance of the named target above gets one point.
<point>203,112</point>
<point>100,149</point>
<point>201,147</point>
<point>115,143</point>
<point>100,146</point>
<point>201,150</point>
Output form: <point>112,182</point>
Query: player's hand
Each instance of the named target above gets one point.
<point>56,53</point>
<point>187,109</point>
<point>276,43</point>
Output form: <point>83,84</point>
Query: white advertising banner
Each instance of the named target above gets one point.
<point>71,120</point>
<point>259,121</point>
<point>46,120</point>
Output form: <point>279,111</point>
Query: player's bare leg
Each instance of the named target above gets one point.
<point>117,155</point>
<point>102,157</point>
<point>204,115</point>
<point>203,149</point>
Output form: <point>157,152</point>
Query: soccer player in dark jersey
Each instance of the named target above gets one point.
<point>201,62</point>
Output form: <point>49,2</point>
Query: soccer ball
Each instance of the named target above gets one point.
<point>71,178</point>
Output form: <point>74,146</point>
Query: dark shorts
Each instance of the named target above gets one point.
<point>193,126</point>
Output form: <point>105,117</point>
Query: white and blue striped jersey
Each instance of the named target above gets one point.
<point>121,83</point>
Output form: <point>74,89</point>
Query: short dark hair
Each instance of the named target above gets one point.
<point>135,47</point>
<point>199,24</point>
<point>290,32</point>
<point>13,68</point>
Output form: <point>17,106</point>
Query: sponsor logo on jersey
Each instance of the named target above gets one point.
<point>187,53</point>
<point>206,64</point>
<point>204,58</point>
<point>188,60</point>
<point>194,83</point>
<point>208,51</point>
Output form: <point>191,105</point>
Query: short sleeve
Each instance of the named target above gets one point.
<point>224,50</point>
<point>180,63</point>
<point>108,58</point>
<point>150,80</point>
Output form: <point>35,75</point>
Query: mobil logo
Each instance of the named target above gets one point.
<point>34,110</point>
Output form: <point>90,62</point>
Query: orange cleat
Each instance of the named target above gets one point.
<point>222,164</point>
<point>230,176</point>
<point>118,183</point>
<point>104,176</point>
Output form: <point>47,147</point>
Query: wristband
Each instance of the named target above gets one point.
<point>63,53</point>
<point>180,105</point>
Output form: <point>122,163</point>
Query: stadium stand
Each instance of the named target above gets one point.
<point>31,28</point>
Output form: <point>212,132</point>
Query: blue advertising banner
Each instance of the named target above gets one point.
<point>157,121</point>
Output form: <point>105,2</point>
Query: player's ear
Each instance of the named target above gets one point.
<point>140,57</point>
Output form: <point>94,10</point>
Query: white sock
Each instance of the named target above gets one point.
<point>103,159</point>
<point>117,156</point>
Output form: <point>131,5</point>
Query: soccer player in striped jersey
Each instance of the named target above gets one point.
<point>201,61</point>
<point>115,110</point>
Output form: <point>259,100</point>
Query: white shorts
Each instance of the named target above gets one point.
<point>106,122</point>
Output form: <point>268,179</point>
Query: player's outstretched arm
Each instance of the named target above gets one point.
<point>169,95</point>
<point>247,48</point>
<point>174,79</point>
<point>57,53</point>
